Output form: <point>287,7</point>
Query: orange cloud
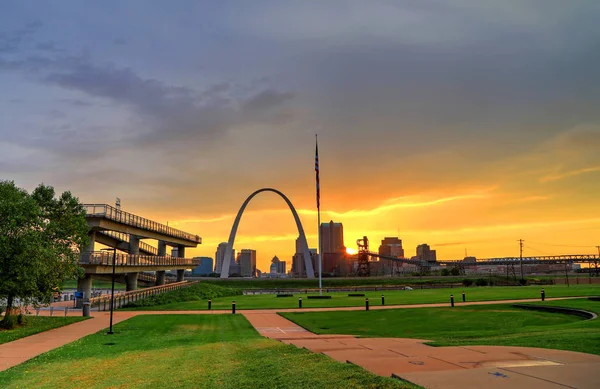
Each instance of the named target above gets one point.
<point>560,176</point>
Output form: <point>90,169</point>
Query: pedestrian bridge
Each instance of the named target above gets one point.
<point>102,262</point>
<point>107,217</point>
<point>120,240</point>
<point>124,231</point>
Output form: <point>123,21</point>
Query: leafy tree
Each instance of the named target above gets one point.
<point>40,236</point>
<point>455,271</point>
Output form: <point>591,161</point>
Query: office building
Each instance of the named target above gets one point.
<point>335,264</point>
<point>332,237</point>
<point>425,253</point>
<point>390,247</point>
<point>247,262</point>
<point>205,268</point>
<point>219,258</point>
<point>278,267</point>
<point>234,270</point>
<point>298,266</point>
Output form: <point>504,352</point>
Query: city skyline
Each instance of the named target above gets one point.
<point>463,125</point>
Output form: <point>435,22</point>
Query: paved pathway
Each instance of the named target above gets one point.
<point>487,367</point>
<point>20,350</point>
<point>433,367</point>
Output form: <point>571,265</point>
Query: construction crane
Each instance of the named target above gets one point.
<point>363,257</point>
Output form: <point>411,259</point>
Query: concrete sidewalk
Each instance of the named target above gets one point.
<point>487,367</point>
<point>20,350</point>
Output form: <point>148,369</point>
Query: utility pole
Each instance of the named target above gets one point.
<point>596,261</point>
<point>521,256</point>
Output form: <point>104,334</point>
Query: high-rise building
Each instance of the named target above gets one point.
<point>298,265</point>
<point>220,254</point>
<point>205,267</point>
<point>391,247</point>
<point>281,267</point>
<point>332,237</point>
<point>298,246</point>
<point>234,270</point>
<point>335,264</point>
<point>278,267</point>
<point>425,253</point>
<point>247,262</point>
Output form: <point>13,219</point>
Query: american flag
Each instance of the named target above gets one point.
<point>317,173</point>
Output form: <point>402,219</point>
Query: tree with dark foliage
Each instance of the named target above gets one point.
<point>40,237</point>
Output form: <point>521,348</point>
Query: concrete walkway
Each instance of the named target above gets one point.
<point>432,367</point>
<point>487,367</point>
<point>20,350</point>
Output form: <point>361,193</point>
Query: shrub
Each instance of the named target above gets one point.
<point>467,282</point>
<point>445,272</point>
<point>21,319</point>
<point>199,291</point>
<point>9,322</point>
<point>455,271</point>
<point>522,281</point>
<point>481,282</point>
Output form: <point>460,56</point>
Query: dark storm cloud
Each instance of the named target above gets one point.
<point>171,113</point>
<point>265,100</point>
<point>174,112</point>
<point>13,41</point>
<point>76,102</point>
<point>48,47</point>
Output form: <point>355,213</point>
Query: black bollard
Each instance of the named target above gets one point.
<point>366,304</point>
<point>299,302</point>
<point>233,307</point>
<point>209,304</point>
<point>464,297</point>
<point>382,300</point>
<point>543,295</point>
<point>452,300</point>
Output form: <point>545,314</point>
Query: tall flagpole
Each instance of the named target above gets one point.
<point>318,211</point>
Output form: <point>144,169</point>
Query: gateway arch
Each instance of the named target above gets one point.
<point>305,251</point>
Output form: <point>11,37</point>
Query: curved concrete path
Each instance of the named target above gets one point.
<point>486,367</point>
<point>432,367</point>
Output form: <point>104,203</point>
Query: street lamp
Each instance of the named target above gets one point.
<point>112,292</point>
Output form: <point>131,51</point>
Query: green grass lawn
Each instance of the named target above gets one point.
<point>416,296</point>
<point>36,324</point>
<point>187,351</point>
<point>261,283</point>
<point>500,325</point>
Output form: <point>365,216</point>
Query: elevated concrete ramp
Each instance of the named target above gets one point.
<point>106,217</point>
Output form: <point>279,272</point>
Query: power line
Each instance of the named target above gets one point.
<point>539,251</point>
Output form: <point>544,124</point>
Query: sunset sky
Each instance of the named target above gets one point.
<point>462,124</point>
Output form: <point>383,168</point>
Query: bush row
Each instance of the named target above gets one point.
<point>12,321</point>
<point>485,282</point>
<point>200,291</point>
<point>477,282</point>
